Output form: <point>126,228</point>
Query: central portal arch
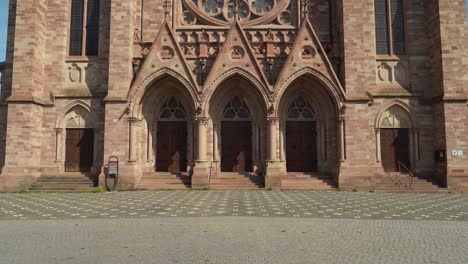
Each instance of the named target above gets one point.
<point>309,129</point>
<point>236,133</point>
<point>301,137</point>
<point>236,137</point>
<point>171,137</point>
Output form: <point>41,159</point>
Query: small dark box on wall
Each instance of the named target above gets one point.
<point>440,155</point>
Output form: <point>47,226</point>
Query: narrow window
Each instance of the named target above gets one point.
<point>398,28</point>
<point>92,28</point>
<point>389,27</point>
<point>76,27</point>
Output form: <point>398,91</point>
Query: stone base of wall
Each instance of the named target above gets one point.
<point>200,176</point>
<point>17,178</point>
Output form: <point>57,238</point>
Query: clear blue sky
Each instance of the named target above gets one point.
<point>3,27</point>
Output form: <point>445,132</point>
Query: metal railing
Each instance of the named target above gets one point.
<point>403,169</point>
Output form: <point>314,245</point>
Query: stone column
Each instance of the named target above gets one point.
<point>149,149</point>
<point>132,121</point>
<point>378,152</point>
<point>58,144</point>
<point>273,170</point>
<point>201,171</point>
<point>201,148</point>
<point>342,140</point>
<point>272,122</point>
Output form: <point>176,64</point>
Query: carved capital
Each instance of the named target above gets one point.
<point>201,121</point>
<point>58,130</point>
<point>133,120</point>
<point>343,108</point>
<point>272,120</point>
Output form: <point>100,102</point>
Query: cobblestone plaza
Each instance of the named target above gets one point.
<point>234,227</point>
<point>332,204</point>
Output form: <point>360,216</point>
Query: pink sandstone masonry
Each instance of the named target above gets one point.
<point>268,55</point>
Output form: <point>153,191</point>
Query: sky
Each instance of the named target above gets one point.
<point>4,23</point>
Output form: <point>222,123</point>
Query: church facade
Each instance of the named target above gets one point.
<point>236,93</point>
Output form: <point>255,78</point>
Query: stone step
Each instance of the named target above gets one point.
<point>234,180</point>
<point>235,187</point>
<point>63,182</point>
<point>306,181</point>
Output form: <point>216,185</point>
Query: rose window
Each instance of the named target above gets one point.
<point>211,7</point>
<point>260,7</point>
<point>249,12</point>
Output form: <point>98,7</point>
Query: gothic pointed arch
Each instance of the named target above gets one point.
<point>77,114</point>
<point>308,55</point>
<point>236,49</point>
<point>245,77</point>
<point>164,58</point>
<point>300,110</point>
<point>395,114</point>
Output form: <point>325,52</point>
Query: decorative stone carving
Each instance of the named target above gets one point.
<point>91,74</point>
<point>301,110</point>
<point>167,53</point>
<point>78,117</point>
<point>308,53</point>
<point>285,18</point>
<point>384,72</point>
<point>188,18</point>
<point>395,117</point>
<point>392,73</point>
<point>74,73</point>
<point>249,12</point>
<point>82,73</point>
<point>401,74</point>
<point>237,53</point>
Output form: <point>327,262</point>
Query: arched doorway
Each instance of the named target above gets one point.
<point>171,137</point>
<point>394,128</point>
<point>301,137</point>
<point>79,140</point>
<point>236,137</point>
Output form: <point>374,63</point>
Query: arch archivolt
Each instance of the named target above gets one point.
<point>334,92</point>
<point>139,89</point>
<point>235,73</point>
<point>325,115</point>
<point>75,115</point>
<point>254,101</point>
<point>147,111</point>
<point>396,114</point>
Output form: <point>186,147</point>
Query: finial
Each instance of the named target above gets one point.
<point>305,8</point>
<point>236,10</point>
<point>167,7</point>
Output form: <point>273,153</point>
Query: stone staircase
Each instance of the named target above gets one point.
<point>236,181</point>
<point>164,180</point>
<point>306,181</point>
<point>403,182</point>
<point>63,183</point>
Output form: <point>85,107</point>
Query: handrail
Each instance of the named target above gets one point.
<point>411,174</point>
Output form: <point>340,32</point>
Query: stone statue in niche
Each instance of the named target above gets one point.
<point>74,73</point>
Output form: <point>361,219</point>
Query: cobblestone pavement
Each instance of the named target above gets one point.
<point>300,204</point>
<point>235,240</point>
